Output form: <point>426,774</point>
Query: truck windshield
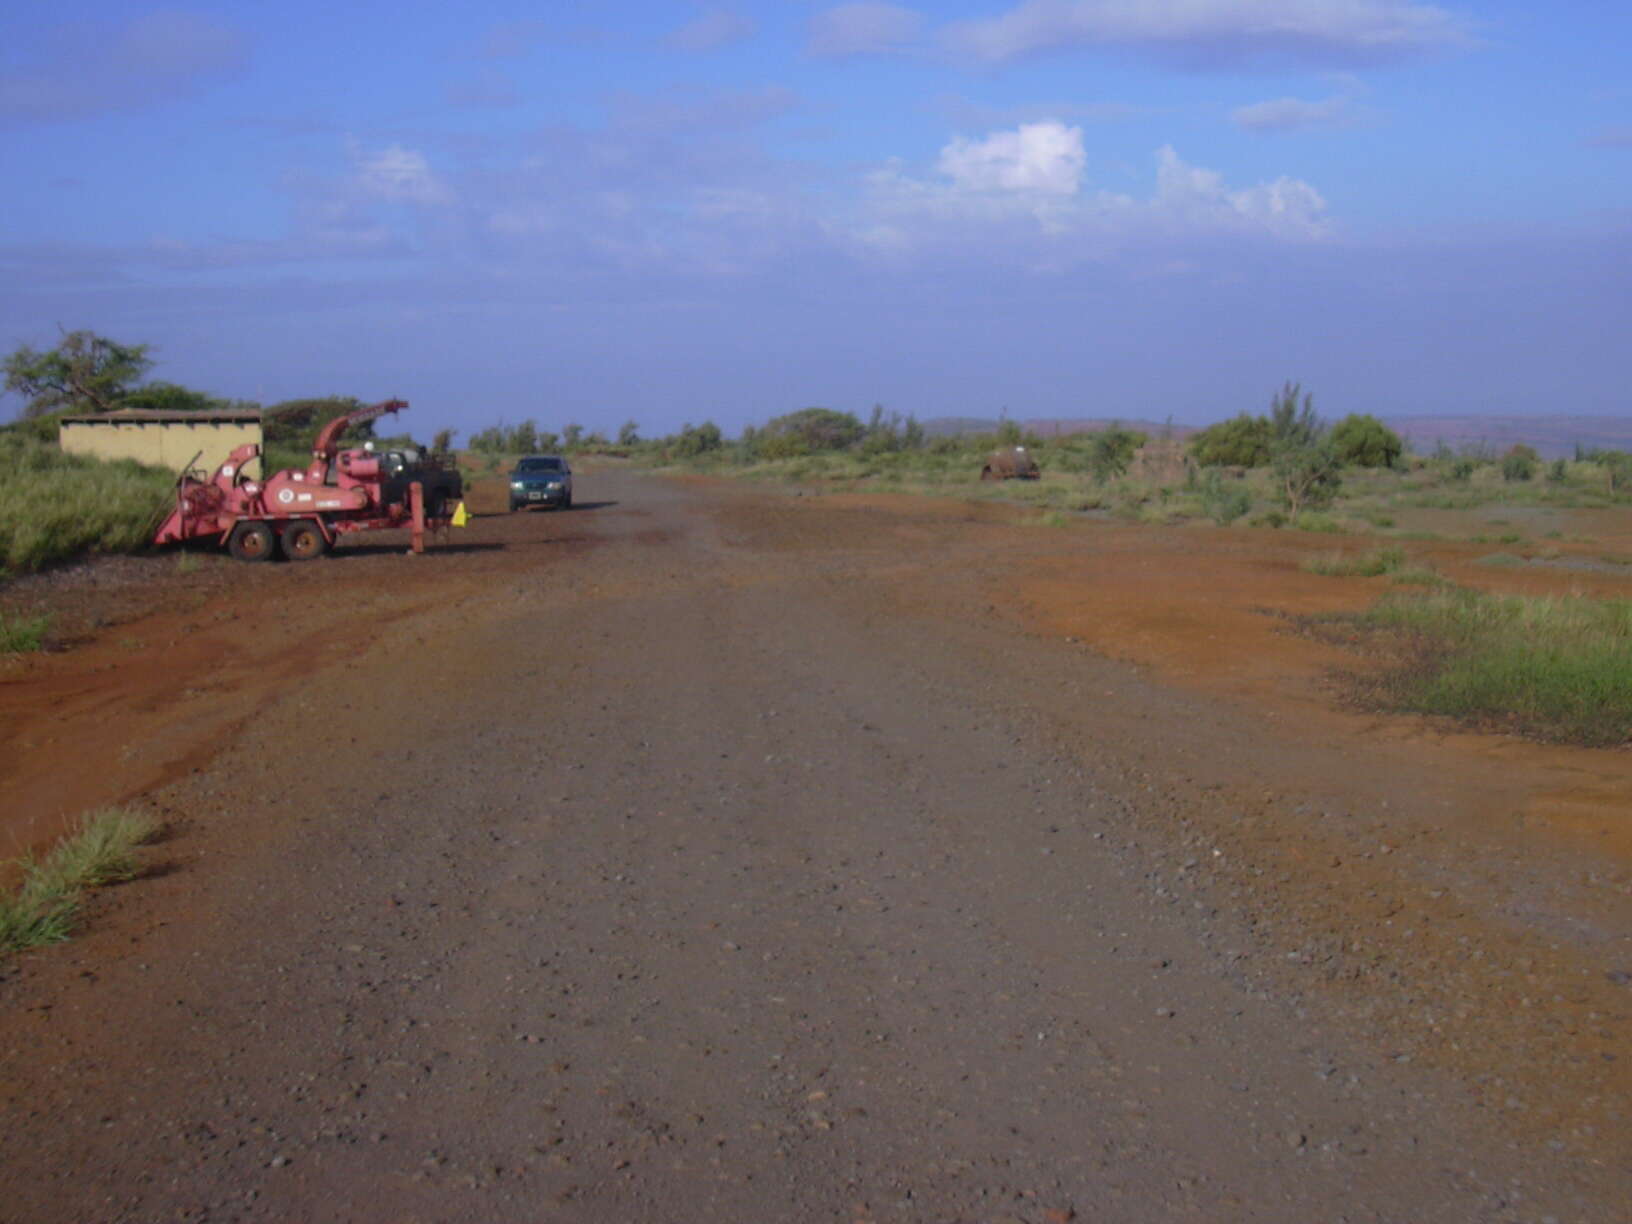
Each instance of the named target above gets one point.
<point>539,465</point>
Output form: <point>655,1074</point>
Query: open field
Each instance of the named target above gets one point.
<point>783,854</point>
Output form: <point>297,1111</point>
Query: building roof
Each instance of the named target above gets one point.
<point>157,416</point>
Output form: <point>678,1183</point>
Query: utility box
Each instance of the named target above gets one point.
<point>161,439</point>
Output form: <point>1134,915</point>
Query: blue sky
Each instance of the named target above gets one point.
<point>669,211</point>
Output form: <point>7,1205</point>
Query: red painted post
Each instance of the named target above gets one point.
<point>416,503</point>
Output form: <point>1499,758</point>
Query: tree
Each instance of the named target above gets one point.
<point>1366,442</point>
<point>1290,421</point>
<point>84,373</point>
<point>523,439</point>
<point>628,434</point>
<point>295,423</point>
<point>571,433</point>
<point>442,440</point>
<point>172,397</point>
<point>1308,475</point>
<point>1243,441</point>
<point>697,440</point>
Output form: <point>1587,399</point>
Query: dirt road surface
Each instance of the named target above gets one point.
<point>706,854</point>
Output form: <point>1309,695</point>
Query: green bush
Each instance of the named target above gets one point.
<point>820,429</point>
<point>1364,441</point>
<point>1242,441</point>
<point>1519,463</point>
<point>1224,502</point>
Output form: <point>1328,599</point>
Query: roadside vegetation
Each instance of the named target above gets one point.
<point>1555,669</point>
<point>21,634</point>
<point>54,506</point>
<point>45,905</point>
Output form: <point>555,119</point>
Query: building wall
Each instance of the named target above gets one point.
<point>168,444</point>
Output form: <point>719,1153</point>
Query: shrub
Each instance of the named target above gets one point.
<point>1364,441</point>
<point>1307,476</point>
<point>1242,441</point>
<point>1221,502</point>
<point>1111,450</point>
<point>820,429</point>
<point>1519,463</point>
<point>697,440</point>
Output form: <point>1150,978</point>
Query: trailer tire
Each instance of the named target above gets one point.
<point>304,541</point>
<point>252,542</point>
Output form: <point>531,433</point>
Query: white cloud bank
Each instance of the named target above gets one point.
<point>1023,191</point>
<point>1046,158</point>
<point>1215,32</point>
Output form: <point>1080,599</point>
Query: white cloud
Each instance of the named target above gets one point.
<point>1023,192</point>
<point>863,29</point>
<point>1043,158</point>
<point>1294,115</point>
<point>400,175</point>
<point>709,30</point>
<point>1287,208</point>
<point>1216,31</point>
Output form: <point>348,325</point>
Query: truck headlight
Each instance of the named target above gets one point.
<point>516,484</point>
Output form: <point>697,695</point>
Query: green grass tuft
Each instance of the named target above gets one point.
<point>1356,565</point>
<point>1556,669</point>
<point>23,634</point>
<point>101,850</point>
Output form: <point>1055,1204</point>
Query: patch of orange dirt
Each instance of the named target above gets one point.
<point>1211,610</point>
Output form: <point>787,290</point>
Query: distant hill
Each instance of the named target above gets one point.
<point>1554,436</point>
<point>1053,427</point>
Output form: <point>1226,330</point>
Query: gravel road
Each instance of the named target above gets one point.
<point>709,867</point>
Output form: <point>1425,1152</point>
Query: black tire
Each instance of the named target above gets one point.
<point>252,542</point>
<point>303,541</point>
<point>436,505</point>
<point>566,502</point>
<point>514,506</point>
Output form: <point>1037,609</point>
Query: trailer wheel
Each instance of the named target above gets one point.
<point>252,542</point>
<point>303,541</point>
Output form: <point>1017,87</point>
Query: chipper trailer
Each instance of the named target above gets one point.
<point>303,512</point>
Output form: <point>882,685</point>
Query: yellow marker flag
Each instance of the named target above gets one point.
<point>460,518</point>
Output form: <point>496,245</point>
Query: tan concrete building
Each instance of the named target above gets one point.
<point>162,439</point>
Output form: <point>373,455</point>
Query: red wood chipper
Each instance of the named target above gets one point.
<point>302,512</point>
